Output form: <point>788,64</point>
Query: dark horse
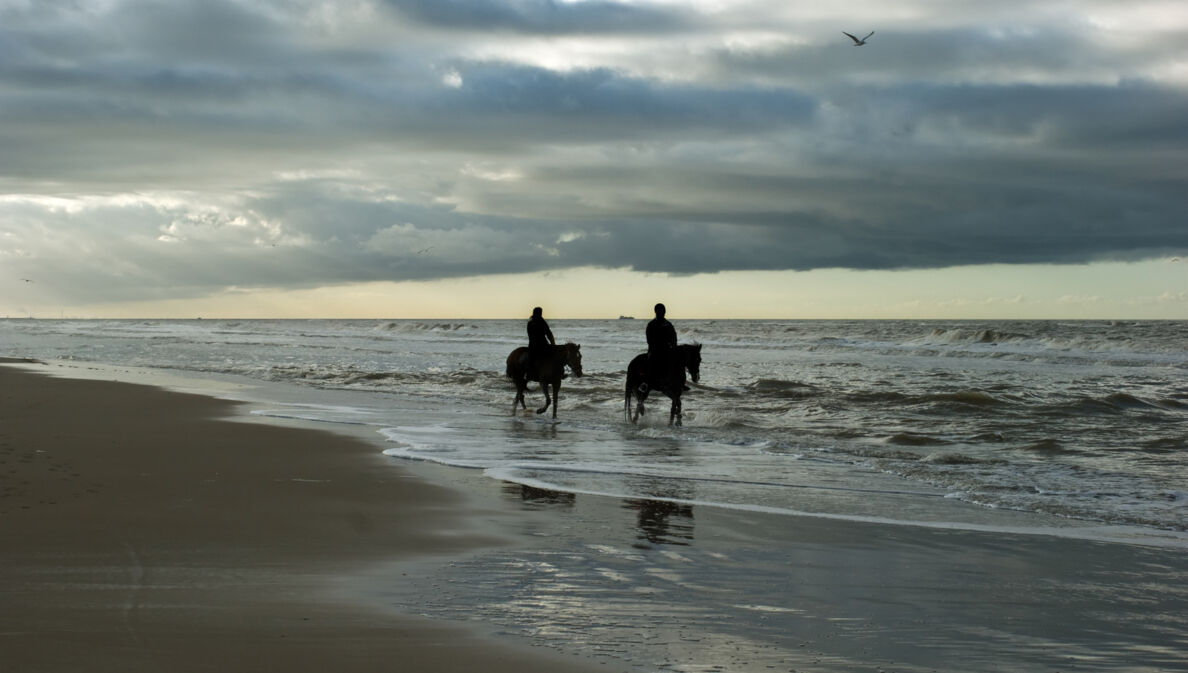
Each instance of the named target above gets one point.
<point>672,383</point>
<point>549,371</point>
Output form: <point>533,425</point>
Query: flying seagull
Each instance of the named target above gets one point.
<point>857,42</point>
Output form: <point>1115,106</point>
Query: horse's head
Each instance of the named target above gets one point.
<point>573,358</point>
<point>692,358</point>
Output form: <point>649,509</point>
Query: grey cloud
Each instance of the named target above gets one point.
<point>64,43</point>
<point>540,17</point>
<point>790,240</point>
<point>189,112</point>
<point>598,105</point>
<point>1006,53</point>
<point>1104,116</point>
<point>304,235</point>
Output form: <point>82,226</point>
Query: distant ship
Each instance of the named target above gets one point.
<point>626,317</point>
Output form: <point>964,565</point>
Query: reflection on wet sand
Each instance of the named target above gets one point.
<point>659,522</point>
<point>664,518</point>
<point>538,497</point>
<point>663,522</point>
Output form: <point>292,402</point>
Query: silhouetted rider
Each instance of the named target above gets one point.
<point>540,339</point>
<point>662,342</point>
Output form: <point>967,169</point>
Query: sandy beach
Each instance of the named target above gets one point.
<point>144,532</point>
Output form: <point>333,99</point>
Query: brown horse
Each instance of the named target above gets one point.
<point>685,357</point>
<point>549,370</point>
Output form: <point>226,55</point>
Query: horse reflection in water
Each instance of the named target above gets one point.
<point>662,522</point>
<point>534,497</point>
<point>686,357</point>
<point>548,370</point>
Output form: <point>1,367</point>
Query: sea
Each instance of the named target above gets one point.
<point>1036,430</point>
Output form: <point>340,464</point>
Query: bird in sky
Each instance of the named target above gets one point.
<point>857,42</point>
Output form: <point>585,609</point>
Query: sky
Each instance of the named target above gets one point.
<point>476,158</point>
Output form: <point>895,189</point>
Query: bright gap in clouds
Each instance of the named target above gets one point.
<point>1156,290</point>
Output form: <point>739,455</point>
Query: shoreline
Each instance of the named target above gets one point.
<point>147,529</point>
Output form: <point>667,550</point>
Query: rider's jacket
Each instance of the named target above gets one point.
<point>661,336</point>
<point>538,335</point>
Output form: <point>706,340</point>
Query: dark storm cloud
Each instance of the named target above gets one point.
<point>155,147</point>
<point>1103,118</point>
<point>164,109</point>
<point>547,17</point>
<point>534,105</point>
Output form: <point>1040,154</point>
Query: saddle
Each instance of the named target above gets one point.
<point>532,369</point>
<point>662,381</point>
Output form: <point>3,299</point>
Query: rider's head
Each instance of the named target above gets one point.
<point>536,312</point>
<point>660,310</point>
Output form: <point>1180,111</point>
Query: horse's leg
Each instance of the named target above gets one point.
<point>632,384</point>
<point>674,414</point>
<point>556,397</point>
<point>521,386</point>
<point>544,386</point>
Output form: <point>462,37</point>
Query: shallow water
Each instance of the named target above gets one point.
<point>938,422</point>
<point>656,586</point>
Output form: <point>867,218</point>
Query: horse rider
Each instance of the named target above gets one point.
<point>540,339</point>
<point>662,343</point>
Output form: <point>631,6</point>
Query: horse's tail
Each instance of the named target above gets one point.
<point>627,399</point>
<point>513,363</point>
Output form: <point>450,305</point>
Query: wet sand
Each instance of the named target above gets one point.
<point>144,531</point>
<point>660,586</point>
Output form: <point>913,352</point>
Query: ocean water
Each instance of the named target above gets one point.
<point>1040,436</point>
<point>941,423</point>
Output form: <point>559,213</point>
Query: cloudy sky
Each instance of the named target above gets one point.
<point>474,158</point>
